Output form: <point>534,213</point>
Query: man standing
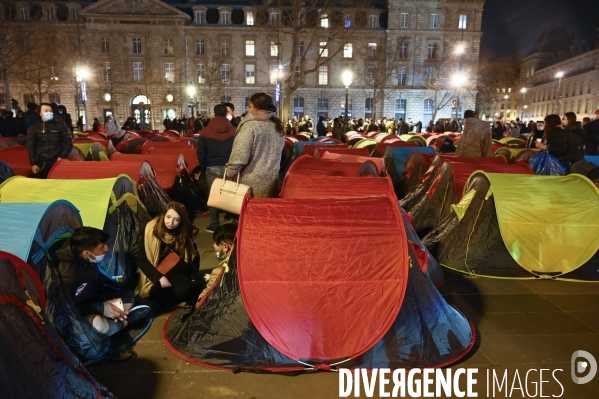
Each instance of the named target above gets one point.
<point>592,135</point>
<point>402,127</point>
<point>232,115</point>
<point>31,116</point>
<point>215,144</point>
<point>47,142</point>
<point>476,140</point>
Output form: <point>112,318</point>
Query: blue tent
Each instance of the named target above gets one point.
<point>5,172</point>
<point>592,158</point>
<point>399,155</point>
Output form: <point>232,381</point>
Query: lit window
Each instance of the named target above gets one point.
<point>250,48</point>
<point>463,21</point>
<point>323,75</point>
<point>324,21</point>
<point>137,71</point>
<point>169,72</point>
<point>199,17</point>
<point>403,50</point>
<point>347,23</point>
<point>249,18</point>
<point>250,74</point>
<point>136,46</point>
<point>323,50</point>
<point>434,21</point>
<point>225,73</point>
<point>200,73</point>
<point>374,21</point>
<point>106,72</point>
<point>404,20</point>
<point>347,50</point>
<point>274,71</point>
<point>224,17</point>
<point>371,49</point>
<point>168,46</point>
<point>274,18</point>
<point>274,49</point>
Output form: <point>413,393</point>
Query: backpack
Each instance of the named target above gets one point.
<point>575,148</point>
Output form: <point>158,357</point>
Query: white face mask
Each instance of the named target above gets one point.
<point>541,128</point>
<point>96,258</point>
<point>230,117</point>
<point>48,116</point>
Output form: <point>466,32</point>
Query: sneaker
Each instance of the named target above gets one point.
<point>210,229</point>
<point>139,312</point>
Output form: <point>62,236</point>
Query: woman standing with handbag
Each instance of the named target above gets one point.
<point>168,259</point>
<point>257,148</point>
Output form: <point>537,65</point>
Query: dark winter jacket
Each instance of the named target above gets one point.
<point>20,125</point>
<point>557,141</point>
<point>580,133</point>
<point>403,129</point>
<point>47,141</point>
<point>7,127</point>
<point>31,118</point>
<point>215,143</point>
<point>592,137</point>
<point>83,281</point>
<point>321,128</point>
<point>197,125</point>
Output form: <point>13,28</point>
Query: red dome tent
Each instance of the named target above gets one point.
<point>350,151</point>
<point>307,165</point>
<point>301,186</point>
<point>290,317</point>
<point>379,162</point>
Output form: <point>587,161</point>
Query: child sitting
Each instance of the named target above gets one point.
<point>224,238</point>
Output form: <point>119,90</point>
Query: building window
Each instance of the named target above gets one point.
<point>136,46</point>
<point>250,48</point>
<point>298,107</point>
<point>370,72</point>
<point>432,51</point>
<point>463,21</point>
<point>323,50</point>
<point>2,98</point>
<point>54,98</point>
<point>48,14</point>
<point>400,108</point>
<point>297,71</point>
<point>225,73</point>
<point>401,76</point>
<point>274,70</point>
<point>199,17</point>
<point>200,47</point>
<point>404,20</point>
<point>403,50</point>
<point>249,18</point>
<point>300,49</point>
<point>347,50</point>
<point>24,15</point>
<point>225,98</point>
<point>28,98</point>
<point>274,49</point>
<point>429,107</point>
<point>250,74</point>
<point>434,21</point>
<point>274,18</point>
<point>322,107</point>
<point>224,18</point>
<point>324,21</point>
<point>368,107</point>
<point>168,46</point>
<point>429,74</point>
<point>106,72</point>
<point>347,21</point>
<point>169,72</point>
<point>105,45</point>
<point>373,21</point>
<point>323,75</point>
<point>371,49</point>
<point>74,14</point>
<point>224,47</point>
<point>137,71</point>
<point>200,73</point>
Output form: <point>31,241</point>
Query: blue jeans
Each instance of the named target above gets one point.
<point>214,172</point>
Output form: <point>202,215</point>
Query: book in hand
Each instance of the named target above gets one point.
<point>168,265</point>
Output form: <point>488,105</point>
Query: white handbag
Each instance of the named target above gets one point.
<point>228,195</point>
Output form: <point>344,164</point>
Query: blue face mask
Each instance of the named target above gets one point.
<point>96,258</point>
<point>220,256</point>
<point>48,116</point>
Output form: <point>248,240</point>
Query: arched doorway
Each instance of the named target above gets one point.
<point>141,110</point>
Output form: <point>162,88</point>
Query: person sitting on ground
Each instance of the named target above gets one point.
<point>113,130</point>
<point>102,304</point>
<point>555,138</point>
<point>224,238</point>
<point>171,231</point>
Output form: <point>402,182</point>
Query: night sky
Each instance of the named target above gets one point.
<point>511,26</point>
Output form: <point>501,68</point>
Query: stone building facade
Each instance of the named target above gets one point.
<point>144,55</point>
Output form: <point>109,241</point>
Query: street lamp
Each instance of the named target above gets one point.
<point>458,80</point>
<point>346,77</point>
<point>559,76</point>
<point>523,91</point>
<point>459,49</point>
<point>80,75</point>
<point>191,91</point>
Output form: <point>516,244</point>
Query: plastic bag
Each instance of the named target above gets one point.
<point>544,163</point>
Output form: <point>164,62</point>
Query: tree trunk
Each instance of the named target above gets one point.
<point>7,88</point>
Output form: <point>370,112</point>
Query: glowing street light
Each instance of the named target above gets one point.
<point>459,49</point>
<point>191,91</point>
<point>559,76</point>
<point>346,77</point>
<point>458,80</point>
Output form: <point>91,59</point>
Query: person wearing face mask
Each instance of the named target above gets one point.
<point>537,130</point>
<point>514,130</point>
<point>101,303</point>
<point>47,142</point>
<point>232,115</point>
<point>215,144</point>
<point>224,242</point>
<point>170,232</point>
